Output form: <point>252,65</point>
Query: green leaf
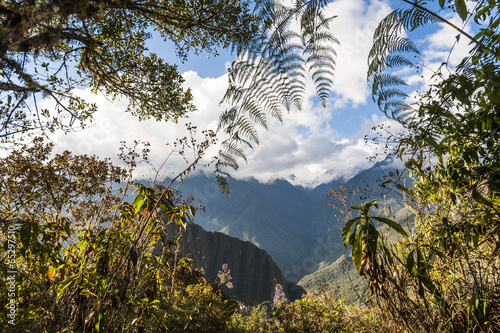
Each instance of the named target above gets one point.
<point>480,199</point>
<point>373,237</point>
<point>393,224</point>
<point>82,245</point>
<point>461,9</point>
<point>135,321</point>
<point>100,314</point>
<point>138,203</point>
<point>402,188</point>
<point>346,230</point>
<point>441,3</point>
<point>357,248</point>
<point>192,210</point>
<point>410,264</point>
<point>64,285</point>
<point>411,164</point>
<point>475,239</point>
<point>63,266</point>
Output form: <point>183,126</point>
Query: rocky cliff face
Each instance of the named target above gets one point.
<point>254,272</point>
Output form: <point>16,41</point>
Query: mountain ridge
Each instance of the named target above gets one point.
<point>296,226</point>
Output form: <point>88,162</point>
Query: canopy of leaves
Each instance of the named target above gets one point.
<point>49,48</point>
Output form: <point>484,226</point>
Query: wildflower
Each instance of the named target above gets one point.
<point>225,277</point>
<point>279,295</point>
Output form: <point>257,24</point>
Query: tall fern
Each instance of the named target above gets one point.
<point>294,42</point>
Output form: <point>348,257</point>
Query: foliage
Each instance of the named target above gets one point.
<point>443,276</point>
<point>271,71</point>
<point>366,240</point>
<point>392,48</point>
<point>52,47</point>
<point>315,312</point>
<point>85,261</point>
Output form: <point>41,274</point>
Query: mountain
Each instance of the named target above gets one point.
<point>271,216</point>
<point>254,273</point>
<point>342,279</point>
<point>294,225</point>
<point>369,184</point>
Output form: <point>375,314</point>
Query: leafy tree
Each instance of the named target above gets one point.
<point>49,48</point>
<point>59,190</point>
<point>84,260</point>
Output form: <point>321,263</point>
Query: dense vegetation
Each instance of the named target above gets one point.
<point>79,258</point>
<point>442,274</point>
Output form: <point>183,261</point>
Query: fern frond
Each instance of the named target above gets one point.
<point>397,60</point>
<point>389,51</point>
<point>244,126</point>
<point>226,160</point>
<point>233,149</point>
<point>387,80</point>
<point>271,70</point>
<point>222,182</point>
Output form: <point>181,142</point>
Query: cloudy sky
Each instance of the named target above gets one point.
<point>310,147</point>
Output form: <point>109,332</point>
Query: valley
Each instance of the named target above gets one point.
<point>296,226</point>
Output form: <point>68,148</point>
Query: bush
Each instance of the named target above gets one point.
<point>315,312</point>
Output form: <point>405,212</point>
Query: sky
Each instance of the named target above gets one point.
<point>312,146</point>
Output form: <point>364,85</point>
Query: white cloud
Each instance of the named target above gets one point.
<point>353,27</point>
<point>313,160</point>
<point>112,125</point>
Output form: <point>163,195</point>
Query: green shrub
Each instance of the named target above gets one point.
<point>315,312</point>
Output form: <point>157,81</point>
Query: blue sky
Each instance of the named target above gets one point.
<point>316,145</point>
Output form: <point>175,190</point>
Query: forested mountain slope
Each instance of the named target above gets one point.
<point>254,273</point>
<point>296,226</point>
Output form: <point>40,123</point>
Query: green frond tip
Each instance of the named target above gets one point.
<point>390,52</point>
<point>222,182</point>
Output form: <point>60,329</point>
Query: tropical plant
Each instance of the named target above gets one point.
<point>367,243</point>
<point>78,258</point>
<point>444,275</point>
<point>270,73</point>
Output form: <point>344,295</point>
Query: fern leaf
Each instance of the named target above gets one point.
<point>271,70</point>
